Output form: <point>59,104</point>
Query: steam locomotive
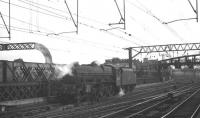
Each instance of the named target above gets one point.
<point>93,82</point>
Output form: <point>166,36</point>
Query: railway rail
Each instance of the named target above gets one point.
<point>196,113</point>
<point>100,109</point>
<point>158,109</point>
<point>136,110</point>
<point>187,109</point>
<point>31,110</point>
<point>110,102</point>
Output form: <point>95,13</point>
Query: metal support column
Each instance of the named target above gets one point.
<point>73,20</point>
<point>130,57</point>
<point>124,15</point>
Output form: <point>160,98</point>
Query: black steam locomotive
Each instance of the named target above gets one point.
<point>93,82</point>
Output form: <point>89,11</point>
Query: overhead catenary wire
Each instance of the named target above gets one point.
<point>182,19</point>
<point>60,50</point>
<point>61,32</point>
<point>144,9</point>
<point>150,13</point>
<point>145,29</point>
<point>64,38</point>
<point>110,33</point>
<point>62,11</point>
<point>63,50</point>
<point>133,36</point>
<point>52,12</point>
<point>90,26</point>
<point>24,22</point>
<point>162,22</point>
<point>147,11</point>
<point>46,33</point>
<point>56,16</point>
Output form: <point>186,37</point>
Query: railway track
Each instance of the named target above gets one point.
<point>98,110</point>
<point>189,108</point>
<point>158,109</point>
<point>196,113</point>
<point>140,110</point>
<point>111,101</point>
<point>31,110</point>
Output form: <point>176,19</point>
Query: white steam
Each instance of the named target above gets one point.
<point>121,92</point>
<point>63,70</point>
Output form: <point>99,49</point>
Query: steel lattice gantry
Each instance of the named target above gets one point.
<point>189,60</point>
<point>28,46</point>
<point>17,46</point>
<point>161,48</point>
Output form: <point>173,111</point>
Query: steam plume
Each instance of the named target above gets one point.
<point>65,69</point>
<point>121,92</point>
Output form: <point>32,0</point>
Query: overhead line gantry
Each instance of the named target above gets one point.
<point>161,48</point>
<point>28,46</point>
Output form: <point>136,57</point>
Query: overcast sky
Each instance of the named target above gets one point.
<point>39,20</point>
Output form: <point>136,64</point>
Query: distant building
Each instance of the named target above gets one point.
<point>121,62</point>
<point>145,65</point>
<point>149,65</point>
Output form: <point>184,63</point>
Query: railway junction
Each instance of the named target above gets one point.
<point>132,87</point>
<point>39,96</point>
